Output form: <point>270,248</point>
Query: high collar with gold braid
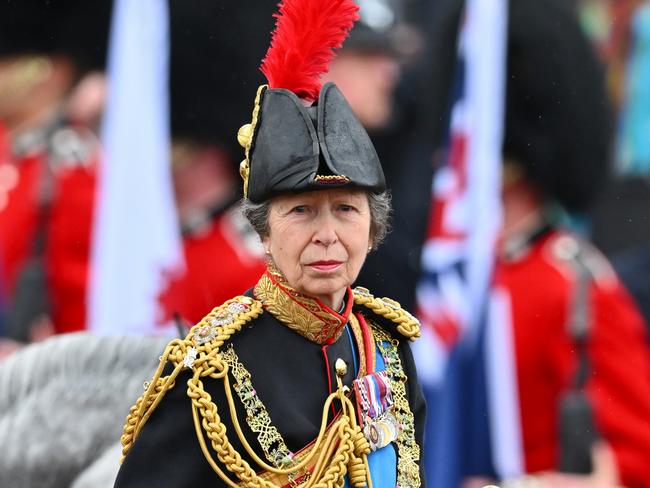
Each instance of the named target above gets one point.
<point>303,314</point>
<point>201,352</point>
<point>317,322</point>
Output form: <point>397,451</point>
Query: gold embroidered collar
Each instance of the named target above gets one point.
<point>305,315</point>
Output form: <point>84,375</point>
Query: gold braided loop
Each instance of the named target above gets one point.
<point>177,352</point>
<point>357,472</point>
<point>346,429</point>
<point>361,450</point>
<point>216,432</point>
<point>144,406</point>
<point>210,422</point>
<point>407,324</point>
<point>358,468</point>
<point>334,476</point>
<point>361,444</point>
<point>337,449</point>
<point>132,420</point>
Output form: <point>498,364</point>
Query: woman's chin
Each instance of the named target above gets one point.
<point>327,290</point>
<point>329,287</point>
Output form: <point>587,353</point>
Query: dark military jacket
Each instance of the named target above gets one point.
<point>291,374</point>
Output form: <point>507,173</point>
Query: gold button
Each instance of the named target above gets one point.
<point>341,367</point>
<point>245,134</point>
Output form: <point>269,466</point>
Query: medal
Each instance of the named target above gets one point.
<point>375,401</point>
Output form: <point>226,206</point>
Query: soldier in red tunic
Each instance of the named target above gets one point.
<point>209,103</point>
<point>582,360</point>
<point>583,365</point>
<point>47,162</point>
<point>45,239</point>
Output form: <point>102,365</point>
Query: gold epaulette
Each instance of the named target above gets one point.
<point>407,324</point>
<point>199,351</point>
<point>222,322</point>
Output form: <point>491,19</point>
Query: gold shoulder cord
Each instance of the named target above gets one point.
<point>343,451</point>
<point>407,324</point>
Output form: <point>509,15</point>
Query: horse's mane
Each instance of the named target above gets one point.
<point>63,403</point>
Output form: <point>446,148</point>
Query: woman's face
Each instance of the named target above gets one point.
<point>319,240</point>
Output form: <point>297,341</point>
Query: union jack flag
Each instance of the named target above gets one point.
<point>472,424</point>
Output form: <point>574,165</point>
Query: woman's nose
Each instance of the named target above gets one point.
<point>325,231</point>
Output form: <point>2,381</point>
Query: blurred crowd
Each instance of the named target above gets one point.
<point>575,182</point>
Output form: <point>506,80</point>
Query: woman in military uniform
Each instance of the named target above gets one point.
<point>301,381</point>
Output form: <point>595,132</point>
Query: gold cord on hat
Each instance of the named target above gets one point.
<point>245,138</point>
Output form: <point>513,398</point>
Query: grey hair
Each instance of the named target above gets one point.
<point>380,213</point>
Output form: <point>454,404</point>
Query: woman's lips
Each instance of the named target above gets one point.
<point>325,265</point>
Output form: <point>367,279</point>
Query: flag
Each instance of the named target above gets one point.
<point>136,240</point>
<point>472,425</point>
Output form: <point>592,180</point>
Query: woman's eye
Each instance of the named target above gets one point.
<point>346,208</point>
<point>299,209</point>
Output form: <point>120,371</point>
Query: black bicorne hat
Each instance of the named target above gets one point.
<point>298,148</point>
<point>304,137</point>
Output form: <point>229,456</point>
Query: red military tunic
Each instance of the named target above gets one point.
<point>541,285</point>
<point>71,157</point>
<point>221,259</point>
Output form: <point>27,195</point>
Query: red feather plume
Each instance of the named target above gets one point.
<point>306,32</point>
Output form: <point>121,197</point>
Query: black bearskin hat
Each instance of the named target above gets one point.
<point>558,124</point>
<point>557,117</point>
<point>73,28</point>
<point>215,50</point>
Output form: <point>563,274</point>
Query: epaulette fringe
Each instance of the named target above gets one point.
<point>407,324</point>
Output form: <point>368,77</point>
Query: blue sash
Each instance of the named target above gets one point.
<point>382,462</point>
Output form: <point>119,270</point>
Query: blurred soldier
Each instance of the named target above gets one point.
<point>209,103</point>
<point>582,361</point>
<point>221,254</point>
<point>583,365</point>
<point>367,70</point>
<point>47,166</point>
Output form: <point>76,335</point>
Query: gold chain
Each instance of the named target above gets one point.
<point>257,417</point>
<point>408,472</point>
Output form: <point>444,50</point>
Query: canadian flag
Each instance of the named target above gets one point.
<point>136,240</point>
